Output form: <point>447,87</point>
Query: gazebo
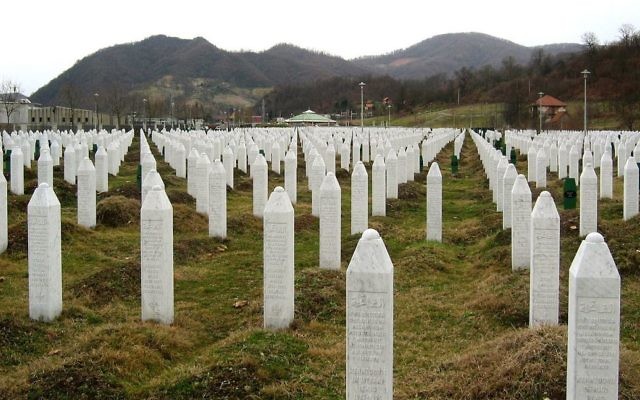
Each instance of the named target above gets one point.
<point>310,118</point>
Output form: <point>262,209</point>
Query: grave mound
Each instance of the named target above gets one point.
<point>117,211</point>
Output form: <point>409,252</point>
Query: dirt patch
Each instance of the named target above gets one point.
<point>237,382</point>
<point>80,379</point>
<point>320,295</point>
<point>186,219</point>
<point>342,174</point>
<point>65,192</point>
<point>19,339</point>
<point>179,196</point>
<point>503,298</point>
<point>129,190</point>
<point>117,211</point>
<point>412,191</point>
<point>120,282</point>
<point>569,222</point>
<point>526,364</point>
<point>18,237</point>
<point>188,249</point>
<point>306,223</point>
<point>622,238</point>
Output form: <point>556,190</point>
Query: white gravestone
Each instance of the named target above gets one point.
<point>391,165</point>
<point>45,168</point>
<point>260,184</point>
<point>44,255</point>
<point>330,222</point>
<point>630,206</point>
<point>275,158</point>
<point>541,168</point>
<point>17,171</point>
<point>378,188</point>
<point>606,176</point>
<point>402,166</point>
<point>544,281</point>
<point>508,180</point>
<point>203,166</point>
<point>152,179</point>
<point>574,158</point>
<point>192,161</point>
<point>156,248</point>
<point>217,201</point>
<point>359,198</point>
<point>434,203</point>
<point>86,194</point>
<point>593,351</point>
<point>318,173</point>
<point>520,224</point>
<point>278,253</point>
<point>148,163</point>
<point>102,170</point>
<point>291,175</point>
<point>500,169</point>
<point>370,320</point>
<point>532,155</point>
<point>588,201</point>
<point>70,165</point>
<point>4,221</point>
<point>228,161</point>
<point>180,161</point>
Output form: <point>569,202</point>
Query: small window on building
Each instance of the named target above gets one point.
<point>33,119</point>
<point>40,119</point>
<point>86,120</point>
<point>78,119</point>
<point>48,119</point>
<point>64,120</point>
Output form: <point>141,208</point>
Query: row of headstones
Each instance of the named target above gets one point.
<point>594,282</point>
<point>89,180</point>
<point>44,237</point>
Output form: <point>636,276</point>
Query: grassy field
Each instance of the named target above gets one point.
<point>460,314</point>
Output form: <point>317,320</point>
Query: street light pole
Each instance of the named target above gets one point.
<point>144,115</point>
<point>540,94</point>
<point>585,73</point>
<point>362,85</point>
<point>389,123</point>
<point>95,121</point>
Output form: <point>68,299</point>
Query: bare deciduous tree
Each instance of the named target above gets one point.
<point>71,97</point>
<point>9,97</point>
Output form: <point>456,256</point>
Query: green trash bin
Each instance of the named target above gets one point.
<point>513,157</point>
<point>570,194</point>
<point>37,153</point>
<point>7,163</point>
<point>454,164</point>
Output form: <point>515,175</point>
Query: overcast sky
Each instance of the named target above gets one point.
<point>41,39</point>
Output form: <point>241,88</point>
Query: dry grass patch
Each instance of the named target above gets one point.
<point>115,211</point>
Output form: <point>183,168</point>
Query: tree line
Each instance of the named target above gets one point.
<point>614,80</point>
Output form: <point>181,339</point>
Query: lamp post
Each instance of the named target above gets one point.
<point>585,73</point>
<point>144,115</point>
<point>95,120</point>
<point>172,105</point>
<point>540,94</point>
<point>389,122</point>
<point>362,85</point>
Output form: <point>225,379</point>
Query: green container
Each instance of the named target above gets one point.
<point>454,164</point>
<point>7,163</point>
<point>570,194</point>
<point>513,156</point>
<point>37,153</point>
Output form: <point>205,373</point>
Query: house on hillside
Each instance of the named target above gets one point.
<point>554,111</point>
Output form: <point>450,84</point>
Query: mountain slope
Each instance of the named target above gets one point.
<point>450,52</point>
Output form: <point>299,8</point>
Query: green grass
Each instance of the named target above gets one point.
<point>460,317</point>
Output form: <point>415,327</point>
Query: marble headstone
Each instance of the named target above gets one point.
<point>370,320</point>
<point>278,256</point>
<point>156,248</point>
<point>593,351</point>
<point>44,254</point>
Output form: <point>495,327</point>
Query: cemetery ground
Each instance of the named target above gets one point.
<point>460,315</point>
